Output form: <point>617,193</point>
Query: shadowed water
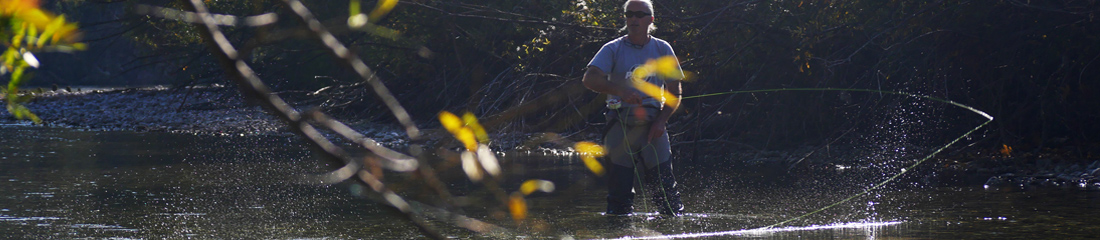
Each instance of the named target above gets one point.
<point>63,183</point>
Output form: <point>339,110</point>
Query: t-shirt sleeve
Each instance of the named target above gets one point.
<point>604,59</point>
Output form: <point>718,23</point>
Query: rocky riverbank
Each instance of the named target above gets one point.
<point>213,110</point>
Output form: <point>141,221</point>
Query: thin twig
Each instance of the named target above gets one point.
<point>357,64</point>
<point>219,19</point>
<point>252,87</point>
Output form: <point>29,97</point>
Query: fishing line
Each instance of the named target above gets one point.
<point>888,180</point>
<point>633,162</point>
<point>638,179</point>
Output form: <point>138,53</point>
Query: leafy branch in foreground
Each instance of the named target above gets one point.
<point>25,29</point>
<point>478,161</point>
<point>303,124</point>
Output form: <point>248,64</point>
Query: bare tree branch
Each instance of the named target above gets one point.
<point>358,65</point>
<point>251,86</point>
<point>219,19</point>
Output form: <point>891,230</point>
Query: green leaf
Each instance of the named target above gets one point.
<point>20,34</point>
<point>32,34</point>
<point>9,57</point>
<point>17,76</point>
<point>21,112</point>
<point>51,29</point>
<point>353,8</point>
<point>78,46</point>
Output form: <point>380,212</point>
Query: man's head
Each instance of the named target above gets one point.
<point>639,16</point>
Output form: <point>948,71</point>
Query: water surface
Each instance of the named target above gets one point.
<point>64,183</point>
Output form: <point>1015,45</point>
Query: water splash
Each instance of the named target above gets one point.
<point>894,176</point>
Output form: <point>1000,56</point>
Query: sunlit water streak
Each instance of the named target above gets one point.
<point>106,184</point>
<point>5,218</point>
<point>870,226</point>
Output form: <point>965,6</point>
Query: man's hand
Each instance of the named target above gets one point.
<point>630,96</point>
<point>624,90</point>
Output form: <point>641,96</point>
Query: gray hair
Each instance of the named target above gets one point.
<point>649,6</point>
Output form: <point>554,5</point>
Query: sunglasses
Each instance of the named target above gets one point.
<point>635,14</point>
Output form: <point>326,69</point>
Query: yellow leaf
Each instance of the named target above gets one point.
<point>35,17</point>
<point>29,13</point>
<point>688,76</point>
<point>642,72</point>
<point>589,148</point>
<point>8,7</point>
<point>589,151</point>
<point>668,67</point>
<point>471,121</point>
<point>383,8</point>
<point>530,186</point>
<point>466,136</point>
<point>518,206</point>
<point>454,125</point>
<point>451,122</point>
<point>593,165</point>
<point>656,92</point>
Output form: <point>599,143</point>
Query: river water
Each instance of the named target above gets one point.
<point>58,183</point>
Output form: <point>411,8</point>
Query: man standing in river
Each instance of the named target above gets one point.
<point>637,134</point>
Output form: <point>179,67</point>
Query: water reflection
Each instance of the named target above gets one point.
<point>61,183</point>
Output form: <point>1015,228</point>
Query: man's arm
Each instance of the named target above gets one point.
<point>596,80</point>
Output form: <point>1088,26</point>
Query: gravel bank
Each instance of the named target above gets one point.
<point>211,110</point>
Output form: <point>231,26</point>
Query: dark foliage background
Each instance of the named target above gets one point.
<point>1033,65</point>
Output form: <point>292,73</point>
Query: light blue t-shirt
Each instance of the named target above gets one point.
<point>621,56</point>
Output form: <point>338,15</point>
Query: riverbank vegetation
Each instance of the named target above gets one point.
<point>515,67</point>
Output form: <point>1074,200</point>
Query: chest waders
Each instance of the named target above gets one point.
<point>628,149</point>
